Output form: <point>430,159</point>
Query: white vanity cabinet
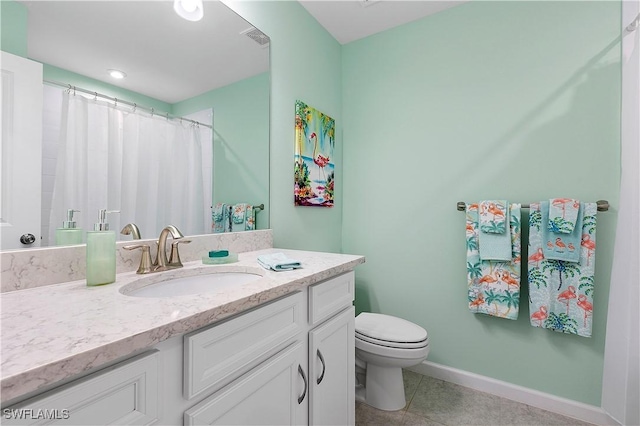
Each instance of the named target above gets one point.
<point>287,362</point>
<point>311,381</point>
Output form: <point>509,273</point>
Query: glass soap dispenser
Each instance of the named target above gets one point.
<point>101,252</point>
<point>69,235</point>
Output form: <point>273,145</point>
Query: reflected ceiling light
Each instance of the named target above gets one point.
<point>117,74</point>
<point>191,10</point>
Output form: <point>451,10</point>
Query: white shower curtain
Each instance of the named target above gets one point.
<point>114,158</point>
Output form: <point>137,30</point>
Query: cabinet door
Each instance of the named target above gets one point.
<point>332,371</point>
<point>274,393</point>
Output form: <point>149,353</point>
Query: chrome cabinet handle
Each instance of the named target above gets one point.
<point>324,366</point>
<point>304,378</point>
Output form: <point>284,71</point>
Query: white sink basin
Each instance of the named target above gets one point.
<point>195,284</point>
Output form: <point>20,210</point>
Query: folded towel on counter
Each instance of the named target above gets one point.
<point>493,285</point>
<point>493,216</point>
<point>221,218</point>
<point>563,215</point>
<point>561,292</point>
<point>494,246</point>
<point>558,246</point>
<point>278,262</point>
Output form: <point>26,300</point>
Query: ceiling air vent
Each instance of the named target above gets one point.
<point>257,36</point>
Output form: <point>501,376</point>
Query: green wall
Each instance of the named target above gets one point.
<point>515,100</point>
<point>13,33</point>
<point>305,65</point>
<point>241,141</point>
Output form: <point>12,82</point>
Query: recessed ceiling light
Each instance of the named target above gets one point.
<point>117,74</point>
<point>191,10</point>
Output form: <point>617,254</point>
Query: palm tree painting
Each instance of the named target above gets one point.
<point>561,322</point>
<point>564,269</point>
<point>314,176</point>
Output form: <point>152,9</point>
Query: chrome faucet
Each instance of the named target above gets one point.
<point>131,229</point>
<point>161,263</point>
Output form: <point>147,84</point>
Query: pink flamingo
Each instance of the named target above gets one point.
<point>320,160</point>
<point>509,280</point>
<point>495,211</point>
<point>586,306</point>
<point>588,244</point>
<point>571,247</point>
<point>549,245</point>
<point>560,244</point>
<point>487,279</point>
<point>540,315</point>
<point>566,296</point>
<point>479,300</point>
<point>537,257</point>
<point>561,202</point>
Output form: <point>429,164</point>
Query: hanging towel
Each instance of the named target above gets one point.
<point>494,286</point>
<point>493,216</point>
<point>238,217</point>
<point>278,262</point>
<point>494,246</point>
<point>560,292</point>
<point>563,215</point>
<point>221,218</point>
<point>250,219</point>
<point>557,246</point>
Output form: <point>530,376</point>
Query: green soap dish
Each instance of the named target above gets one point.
<point>232,258</point>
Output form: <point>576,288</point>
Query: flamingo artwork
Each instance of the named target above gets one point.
<point>477,302</point>
<point>540,315</point>
<point>537,257</point>
<point>560,244</point>
<point>571,247</point>
<point>488,279</point>
<point>589,244</point>
<point>586,306</point>
<point>320,160</point>
<point>549,245</point>
<point>509,280</point>
<point>495,211</point>
<point>566,296</point>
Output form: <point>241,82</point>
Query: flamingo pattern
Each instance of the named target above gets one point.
<point>563,215</point>
<point>561,296</point>
<point>493,285</point>
<point>493,217</point>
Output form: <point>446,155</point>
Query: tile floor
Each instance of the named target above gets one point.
<point>433,402</point>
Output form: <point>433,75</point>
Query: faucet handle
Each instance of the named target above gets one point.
<point>174,258</point>
<point>146,265</point>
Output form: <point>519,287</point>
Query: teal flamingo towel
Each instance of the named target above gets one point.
<point>493,244</point>
<point>493,285</point>
<point>558,246</point>
<point>563,215</point>
<point>238,217</point>
<point>560,292</point>
<point>250,219</point>
<point>221,217</point>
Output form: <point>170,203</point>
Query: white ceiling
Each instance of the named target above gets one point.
<point>164,56</point>
<point>171,59</point>
<point>350,20</point>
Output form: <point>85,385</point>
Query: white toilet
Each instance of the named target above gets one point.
<point>384,345</point>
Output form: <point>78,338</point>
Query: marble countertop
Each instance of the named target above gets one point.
<point>54,332</point>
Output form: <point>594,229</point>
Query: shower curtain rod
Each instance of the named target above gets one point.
<point>134,105</point>
<point>602,206</point>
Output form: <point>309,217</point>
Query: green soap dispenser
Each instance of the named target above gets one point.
<point>69,235</point>
<point>101,252</point>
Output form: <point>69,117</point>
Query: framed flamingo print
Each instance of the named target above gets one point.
<point>314,176</point>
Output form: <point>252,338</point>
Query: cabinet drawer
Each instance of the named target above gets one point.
<point>124,394</point>
<point>266,395</point>
<point>215,356</point>
<point>330,297</point>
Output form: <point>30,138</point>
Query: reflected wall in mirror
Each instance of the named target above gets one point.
<point>214,70</point>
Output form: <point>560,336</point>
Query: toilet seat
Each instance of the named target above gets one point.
<point>389,331</point>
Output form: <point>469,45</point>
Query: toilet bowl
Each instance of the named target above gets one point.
<point>384,346</point>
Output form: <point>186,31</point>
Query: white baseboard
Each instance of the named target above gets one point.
<point>545,401</point>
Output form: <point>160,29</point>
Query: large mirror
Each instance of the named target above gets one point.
<point>214,72</point>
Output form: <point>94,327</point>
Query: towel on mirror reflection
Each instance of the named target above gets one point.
<point>494,246</point>
<point>250,218</point>
<point>278,262</point>
<point>561,292</point>
<point>221,217</point>
<point>493,216</point>
<point>238,217</point>
<point>563,215</point>
<point>564,247</point>
<point>493,285</point>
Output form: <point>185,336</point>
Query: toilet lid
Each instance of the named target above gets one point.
<point>389,329</point>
